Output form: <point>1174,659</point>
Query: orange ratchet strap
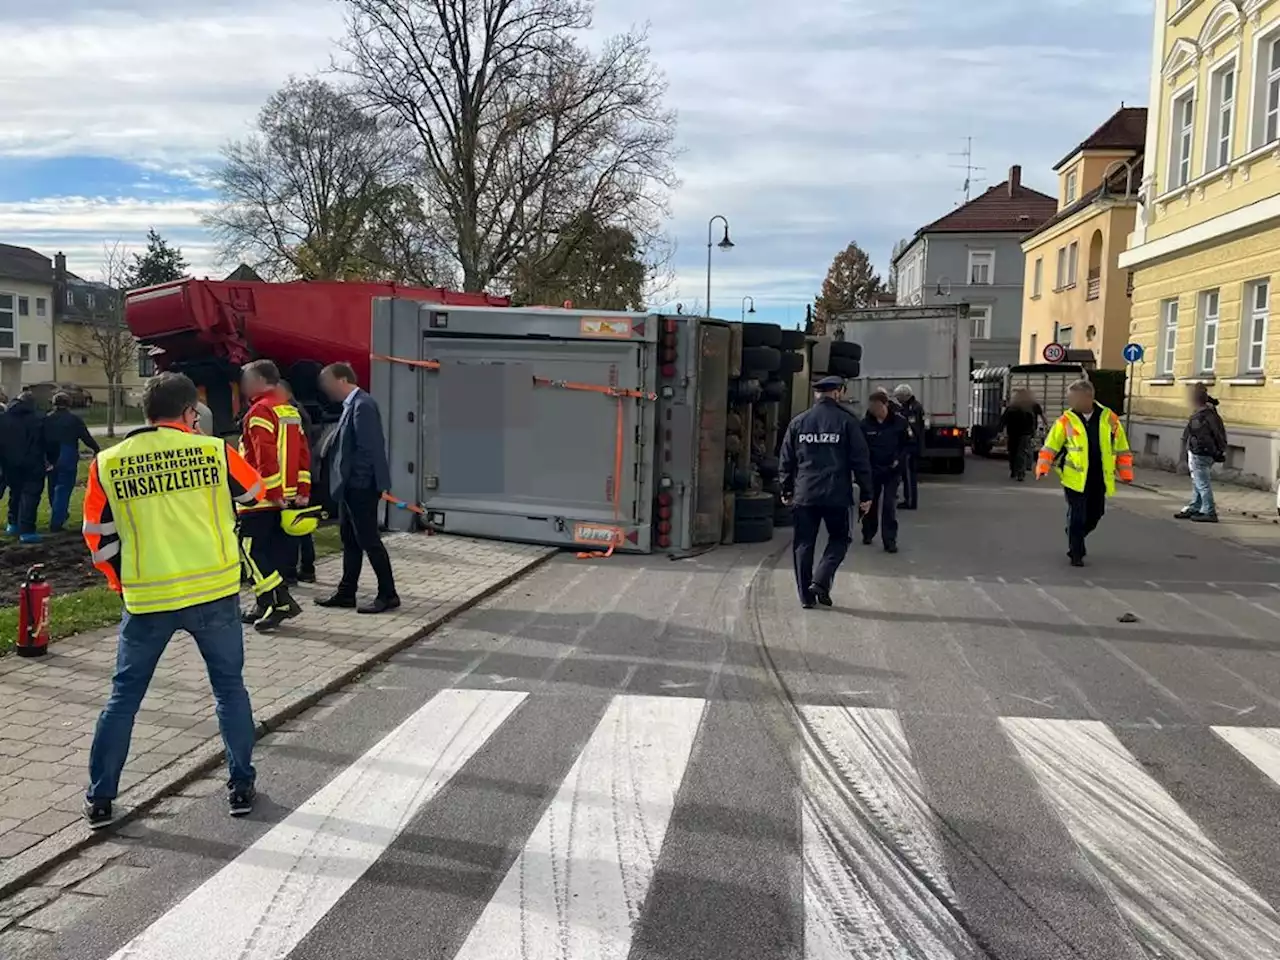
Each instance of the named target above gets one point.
<point>620,394</point>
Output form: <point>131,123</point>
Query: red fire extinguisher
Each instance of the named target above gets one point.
<point>33,614</point>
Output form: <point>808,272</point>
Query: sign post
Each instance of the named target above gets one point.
<point>1132,354</point>
<point>1054,353</point>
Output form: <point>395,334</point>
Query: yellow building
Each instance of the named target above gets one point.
<point>1074,293</point>
<point>1206,245</point>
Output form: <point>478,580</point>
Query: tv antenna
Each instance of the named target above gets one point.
<point>968,168</point>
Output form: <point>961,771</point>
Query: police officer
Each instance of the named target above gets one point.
<point>913,410</point>
<point>822,452</point>
<point>888,439</point>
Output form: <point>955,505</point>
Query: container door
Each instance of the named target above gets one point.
<point>508,455</point>
<point>712,419</point>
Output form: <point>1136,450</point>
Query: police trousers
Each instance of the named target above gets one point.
<point>882,518</point>
<point>808,521</point>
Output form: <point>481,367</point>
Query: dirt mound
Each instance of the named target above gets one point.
<point>66,565</point>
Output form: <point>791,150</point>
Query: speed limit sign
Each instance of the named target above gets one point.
<point>1054,353</point>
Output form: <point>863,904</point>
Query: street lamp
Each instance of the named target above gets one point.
<point>745,311</point>
<point>724,244</point>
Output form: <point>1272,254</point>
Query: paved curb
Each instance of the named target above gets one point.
<point>51,851</point>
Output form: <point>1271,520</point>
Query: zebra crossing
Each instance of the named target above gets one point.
<point>875,874</point>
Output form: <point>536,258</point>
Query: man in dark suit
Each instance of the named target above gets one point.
<point>358,476</point>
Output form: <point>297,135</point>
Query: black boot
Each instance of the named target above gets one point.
<point>281,607</point>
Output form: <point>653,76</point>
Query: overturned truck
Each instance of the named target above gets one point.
<point>597,431</point>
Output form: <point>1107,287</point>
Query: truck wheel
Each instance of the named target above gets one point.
<point>733,423</point>
<point>958,466</point>
<point>768,467</point>
<point>739,479</point>
<point>791,340</point>
<point>761,335</point>
<point>791,363</point>
<point>744,391</point>
<point>774,389</point>
<point>846,348</point>
<point>761,358</point>
<point>844,367</point>
<point>754,530</point>
<point>753,506</point>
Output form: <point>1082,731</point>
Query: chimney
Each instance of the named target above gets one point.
<point>1015,179</point>
<point>60,264</point>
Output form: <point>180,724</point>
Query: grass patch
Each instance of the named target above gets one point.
<point>96,416</point>
<point>328,540</point>
<point>69,614</point>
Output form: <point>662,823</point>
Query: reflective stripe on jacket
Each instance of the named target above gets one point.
<point>274,443</point>
<point>159,521</point>
<point>1068,443</point>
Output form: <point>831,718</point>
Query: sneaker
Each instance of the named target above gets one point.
<point>1205,518</point>
<point>807,604</point>
<point>339,601</point>
<point>97,813</point>
<point>11,530</point>
<point>240,801</point>
<point>31,539</point>
<point>1185,514</point>
<point>821,594</point>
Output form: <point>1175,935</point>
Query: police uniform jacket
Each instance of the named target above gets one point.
<point>887,441</point>
<point>913,410</point>
<point>823,451</point>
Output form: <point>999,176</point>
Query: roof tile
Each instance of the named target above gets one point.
<point>1126,129</point>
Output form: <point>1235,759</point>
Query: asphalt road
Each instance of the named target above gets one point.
<point>969,756</point>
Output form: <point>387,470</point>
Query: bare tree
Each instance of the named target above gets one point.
<point>522,132</point>
<point>314,191</point>
<point>103,335</point>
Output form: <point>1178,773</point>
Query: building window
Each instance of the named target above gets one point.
<point>42,353</point>
<point>71,297</point>
<point>24,351</point>
<point>8,321</point>
<point>1064,336</point>
<point>1222,91</point>
<point>1257,299</point>
<point>1035,344</point>
<point>89,301</point>
<point>84,360</point>
<point>146,365</point>
<point>1184,122</point>
<point>1073,262</point>
<point>1073,182</point>
<point>1266,119</point>
<point>24,307</point>
<point>1037,277</point>
<point>1209,304</point>
<point>1168,337</point>
<point>982,267</point>
<point>980,323</point>
<point>42,307</point>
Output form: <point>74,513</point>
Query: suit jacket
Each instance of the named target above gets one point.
<point>360,452</point>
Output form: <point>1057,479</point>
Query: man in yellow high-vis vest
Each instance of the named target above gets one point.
<point>160,521</point>
<point>1089,445</point>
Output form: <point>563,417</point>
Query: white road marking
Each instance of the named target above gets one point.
<point>875,880</point>
<point>1259,745</point>
<point>576,889</point>
<point>261,905</point>
<point>1167,878</point>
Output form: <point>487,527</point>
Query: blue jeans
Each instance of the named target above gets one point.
<point>143,638</point>
<point>1202,489</point>
<point>62,480</point>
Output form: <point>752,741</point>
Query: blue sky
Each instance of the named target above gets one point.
<point>808,124</point>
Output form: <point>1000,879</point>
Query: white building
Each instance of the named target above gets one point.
<point>26,318</point>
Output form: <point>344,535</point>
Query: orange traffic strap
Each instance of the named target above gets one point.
<point>619,393</point>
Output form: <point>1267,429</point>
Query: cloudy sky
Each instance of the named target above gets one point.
<point>808,124</point>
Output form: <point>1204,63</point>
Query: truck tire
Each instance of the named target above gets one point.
<point>791,340</point>
<point>733,423</point>
<point>739,479</point>
<point>761,335</point>
<point>844,367</point>
<point>768,467</point>
<point>957,466</point>
<point>773,390</point>
<point>761,358</point>
<point>744,391</point>
<point>755,529</point>
<point>791,363</point>
<point>753,506</point>
<point>846,348</point>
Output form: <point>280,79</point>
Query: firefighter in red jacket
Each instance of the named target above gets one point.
<point>274,444</point>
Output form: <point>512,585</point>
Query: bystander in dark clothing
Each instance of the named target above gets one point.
<point>63,433</point>
<point>1018,421</point>
<point>823,452</point>
<point>22,451</point>
<point>888,440</point>
<point>1205,441</point>
<point>358,476</point>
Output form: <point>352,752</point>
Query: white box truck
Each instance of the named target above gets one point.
<point>926,348</point>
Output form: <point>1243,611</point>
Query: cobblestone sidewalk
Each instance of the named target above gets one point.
<point>1228,497</point>
<point>48,706</point>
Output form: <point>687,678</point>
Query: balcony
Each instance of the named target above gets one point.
<point>1093,289</point>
